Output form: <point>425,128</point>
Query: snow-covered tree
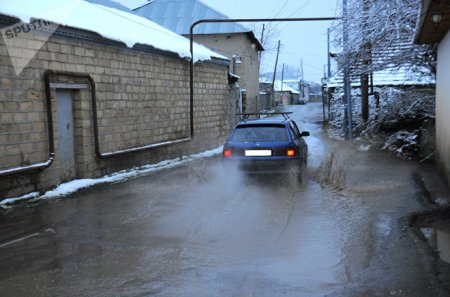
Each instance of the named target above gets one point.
<point>380,40</point>
<point>381,32</point>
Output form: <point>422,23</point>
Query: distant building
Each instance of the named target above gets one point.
<point>301,86</point>
<point>233,40</point>
<point>284,94</point>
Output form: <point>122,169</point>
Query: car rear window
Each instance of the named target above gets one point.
<point>260,133</point>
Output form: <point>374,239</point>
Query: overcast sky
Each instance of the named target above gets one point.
<point>300,41</point>
<point>307,41</point>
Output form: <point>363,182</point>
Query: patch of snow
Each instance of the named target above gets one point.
<point>109,22</point>
<point>9,201</point>
<point>364,148</point>
<point>403,143</point>
<point>442,201</point>
<point>75,185</point>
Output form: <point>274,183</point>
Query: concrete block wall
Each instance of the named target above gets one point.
<point>142,99</point>
<point>247,70</point>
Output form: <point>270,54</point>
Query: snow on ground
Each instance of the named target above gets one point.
<point>108,22</point>
<point>75,185</point>
<point>398,117</point>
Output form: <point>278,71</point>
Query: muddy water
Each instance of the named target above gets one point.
<point>208,230</point>
<point>437,234</point>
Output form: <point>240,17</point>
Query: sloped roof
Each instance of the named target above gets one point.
<point>406,75</point>
<point>110,3</point>
<point>390,67</point>
<point>282,87</point>
<point>178,16</point>
<point>108,22</point>
<point>132,4</point>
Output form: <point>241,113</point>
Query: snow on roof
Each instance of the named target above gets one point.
<point>282,87</point>
<point>391,76</point>
<point>109,22</point>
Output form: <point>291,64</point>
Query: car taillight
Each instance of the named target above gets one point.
<point>290,152</point>
<point>227,153</point>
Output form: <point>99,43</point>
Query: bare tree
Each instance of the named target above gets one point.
<point>267,34</point>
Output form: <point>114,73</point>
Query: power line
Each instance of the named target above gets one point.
<point>139,23</point>
<point>300,8</point>
<point>282,8</point>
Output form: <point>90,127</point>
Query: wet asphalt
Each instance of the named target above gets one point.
<point>205,229</point>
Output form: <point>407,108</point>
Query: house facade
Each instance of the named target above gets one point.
<point>233,40</point>
<point>83,105</point>
<point>434,26</point>
<point>284,94</point>
<point>302,87</point>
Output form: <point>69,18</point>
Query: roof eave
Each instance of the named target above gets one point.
<point>255,41</point>
<point>421,20</point>
<point>427,32</point>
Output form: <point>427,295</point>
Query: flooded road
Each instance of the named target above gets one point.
<point>204,229</point>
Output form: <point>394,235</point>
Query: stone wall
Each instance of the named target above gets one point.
<point>142,99</point>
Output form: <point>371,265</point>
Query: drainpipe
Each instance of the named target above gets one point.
<point>99,154</point>
<point>51,145</point>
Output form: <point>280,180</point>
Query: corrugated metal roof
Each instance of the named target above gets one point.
<point>109,3</point>
<point>178,16</point>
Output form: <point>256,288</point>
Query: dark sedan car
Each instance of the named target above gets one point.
<point>267,146</point>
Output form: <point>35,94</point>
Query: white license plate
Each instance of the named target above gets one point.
<point>258,153</point>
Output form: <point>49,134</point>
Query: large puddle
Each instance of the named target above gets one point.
<point>437,233</point>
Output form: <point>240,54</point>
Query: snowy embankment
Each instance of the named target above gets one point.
<point>399,115</point>
<point>75,185</point>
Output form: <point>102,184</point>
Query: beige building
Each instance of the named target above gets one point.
<point>84,106</point>
<point>233,40</point>
<point>244,64</point>
<point>434,28</point>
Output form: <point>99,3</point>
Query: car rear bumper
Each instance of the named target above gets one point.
<point>255,166</point>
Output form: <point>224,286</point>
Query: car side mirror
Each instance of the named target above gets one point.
<point>305,133</point>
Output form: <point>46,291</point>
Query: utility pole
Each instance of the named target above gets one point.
<point>347,83</point>
<point>364,78</point>
<point>328,52</point>
<point>275,70</point>
<point>301,67</point>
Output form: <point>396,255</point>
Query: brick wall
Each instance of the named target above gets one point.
<point>142,98</point>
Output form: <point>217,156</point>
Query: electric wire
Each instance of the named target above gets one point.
<point>282,8</point>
